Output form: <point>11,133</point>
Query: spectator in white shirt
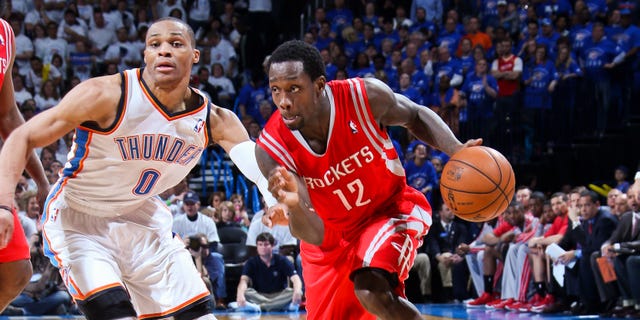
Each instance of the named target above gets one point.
<point>20,91</point>
<point>226,90</point>
<point>101,35</point>
<point>122,52</point>
<point>24,45</point>
<point>223,52</point>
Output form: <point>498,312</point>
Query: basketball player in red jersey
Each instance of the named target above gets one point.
<point>15,267</point>
<point>333,167</point>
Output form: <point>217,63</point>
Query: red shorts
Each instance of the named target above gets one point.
<point>388,243</point>
<point>18,249</point>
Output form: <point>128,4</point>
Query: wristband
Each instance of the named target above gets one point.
<point>10,209</point>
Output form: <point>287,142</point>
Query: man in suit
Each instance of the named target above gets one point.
<point>586,233</point>
<point>622,247</point>
<point>445,236</point>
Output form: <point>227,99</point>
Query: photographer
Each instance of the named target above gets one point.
<point>210,265</point>
<point>46,293</point>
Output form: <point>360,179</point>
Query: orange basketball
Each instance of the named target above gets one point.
<point>477,183</point>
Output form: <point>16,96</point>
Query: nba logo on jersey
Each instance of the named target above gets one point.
<point>353,127</point>
<point>199,125</point>
<point>1,40</point>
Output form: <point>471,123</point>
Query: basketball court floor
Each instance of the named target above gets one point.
<point>429,311</point>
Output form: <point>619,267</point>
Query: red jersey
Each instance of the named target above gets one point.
<point>507,87</point>
<point>359,177</point>
<point>6,48</point>
<point>559,225</point>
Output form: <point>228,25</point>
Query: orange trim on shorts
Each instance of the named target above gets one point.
<point>82,296</point>
<point>172,310</point>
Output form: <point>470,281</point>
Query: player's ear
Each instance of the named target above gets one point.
<point>320,82</point>
<point>196,56</point>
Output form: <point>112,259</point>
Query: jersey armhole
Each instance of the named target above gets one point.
<point>93,126</point>
<point>208,125</point>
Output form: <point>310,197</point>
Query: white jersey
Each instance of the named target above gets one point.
<point>146,150</point>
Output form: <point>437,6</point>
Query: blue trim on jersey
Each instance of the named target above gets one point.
<point>81,141</point>
<point>45,244</point>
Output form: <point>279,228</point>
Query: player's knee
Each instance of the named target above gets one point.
<point>113,303</point>
<point>15,279</point>
<point>374,286</point>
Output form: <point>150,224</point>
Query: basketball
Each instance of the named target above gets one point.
<point>477,183</point>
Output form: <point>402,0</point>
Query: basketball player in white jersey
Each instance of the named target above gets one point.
<point>137,133</point>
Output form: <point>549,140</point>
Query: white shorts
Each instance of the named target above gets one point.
<point>136,251</point>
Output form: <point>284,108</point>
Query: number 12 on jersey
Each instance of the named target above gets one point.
<point>355,187</point>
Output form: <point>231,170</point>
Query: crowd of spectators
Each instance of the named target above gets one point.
<point>522,74</point>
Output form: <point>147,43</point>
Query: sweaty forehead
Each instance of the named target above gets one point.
<point>284,71</point>
<point>163,28</point>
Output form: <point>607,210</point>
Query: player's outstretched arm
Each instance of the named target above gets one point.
<point>93,100</point>
<point>227,130</point>
<point>392,109</point>
<point>291,192</point>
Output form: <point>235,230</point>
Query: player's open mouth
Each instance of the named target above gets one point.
<point>165,67</point>
<point>289,119</point>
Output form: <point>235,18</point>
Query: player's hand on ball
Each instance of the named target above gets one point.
<point>284,187</point>
<point>276,215</point>
<point>6,227</point>
<point>469,143</point>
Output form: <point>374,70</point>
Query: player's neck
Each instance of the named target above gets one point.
<point>317,132</point>
<point>173,96</point>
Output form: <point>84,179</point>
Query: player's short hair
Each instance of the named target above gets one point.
<point>266,237</point>
<point>561,195</point>
<point>591,195</point>
<point>190,33</point>
<point>297,50</point>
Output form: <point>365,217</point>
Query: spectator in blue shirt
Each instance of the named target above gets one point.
<point>420,23</point>
<point>388,32</point>
<point>466,57</point>
<point>351,44</point>
<point>433,9</point>
<point>580,31</point>
<point>490,12</point>
<point>418,78</point>
<point>339,16</point>
<point>480,90</point>
<point>548,36</point>
<point>421,175</point>
<point>265,279</point>
<point>564,97</point>
<point>628,41</point>
<point>409,91</point>
<point>361,67</point>
<point>325,35</point>
<point>449,36</point>
<point>552,8</point>
<point>597,8</point>
<point>447,65</point>
<point>539,81</point>
<point>379,64</point>
<point>596,59</point>
<point>250,96</point>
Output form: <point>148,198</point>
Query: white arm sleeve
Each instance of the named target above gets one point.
<point>244,157</point>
